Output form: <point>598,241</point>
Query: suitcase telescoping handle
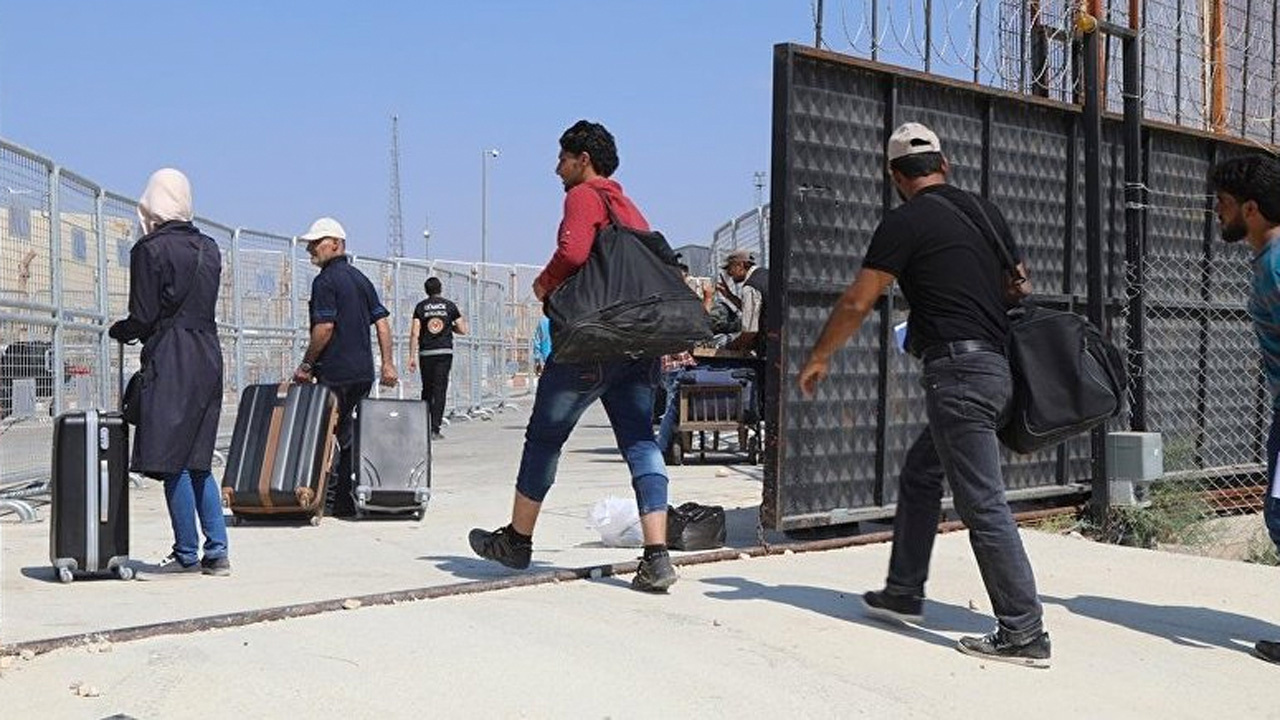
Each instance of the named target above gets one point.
<point>120,366</point>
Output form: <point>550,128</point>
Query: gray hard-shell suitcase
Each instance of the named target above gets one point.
<point>89,511</point>
<point>393,452</point>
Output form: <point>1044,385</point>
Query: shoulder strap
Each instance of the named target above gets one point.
<point>1002,251</point>
<point>608,208</point>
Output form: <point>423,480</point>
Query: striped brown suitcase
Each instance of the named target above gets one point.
<point>282,449</point>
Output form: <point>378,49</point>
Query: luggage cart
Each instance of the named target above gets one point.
<point>707,409</point>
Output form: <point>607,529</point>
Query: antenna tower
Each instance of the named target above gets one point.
<point>395,222</point>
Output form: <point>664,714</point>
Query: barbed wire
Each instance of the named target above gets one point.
<point>994,43</point>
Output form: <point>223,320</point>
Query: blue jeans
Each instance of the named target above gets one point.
<point>191,494</point>
<point>670,383</point>
<point>967,399</point>
<point>1271,506</point>
<point>565,391</point>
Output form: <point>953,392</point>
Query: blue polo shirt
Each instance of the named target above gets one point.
<point>343,296</point>
<point>1264,308</point>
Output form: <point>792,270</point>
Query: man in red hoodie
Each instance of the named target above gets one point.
<point>587,159</point>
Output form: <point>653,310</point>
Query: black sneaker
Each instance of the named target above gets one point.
<point>499,546</point>
<point>220,566</point>
<point>654,575</point>
<point>890,606</point>
<point>1268,650</point>
<point>995,646</point>
<point>169,567</point>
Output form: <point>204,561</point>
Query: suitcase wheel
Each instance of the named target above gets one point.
<point>419,515</point>
<point>315,520</point>
<point>64,575</point>
<point>124,572</point>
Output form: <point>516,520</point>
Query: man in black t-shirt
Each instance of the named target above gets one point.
<point>435,321</point>
<point>949,270</point>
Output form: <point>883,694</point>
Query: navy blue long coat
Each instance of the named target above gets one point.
<point>181,357</point>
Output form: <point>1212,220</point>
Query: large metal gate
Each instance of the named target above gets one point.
<point>835,458</point>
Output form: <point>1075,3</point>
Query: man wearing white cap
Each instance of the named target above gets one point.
<point>939,246</point>
<point>343,306</point>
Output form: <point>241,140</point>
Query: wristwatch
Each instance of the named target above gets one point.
<point>304,366</point>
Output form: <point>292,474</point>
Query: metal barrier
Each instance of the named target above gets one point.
<point>64,278</point>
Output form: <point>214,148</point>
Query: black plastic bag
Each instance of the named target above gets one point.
<point>695,527</point>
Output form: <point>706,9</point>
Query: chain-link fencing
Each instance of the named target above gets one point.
<point>65,246</point>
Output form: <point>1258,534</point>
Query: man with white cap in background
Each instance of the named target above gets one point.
<point>740,265</point>
<point>343,306</point>
<point>938,245</point>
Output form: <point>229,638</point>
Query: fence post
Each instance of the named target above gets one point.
<point>237,309</point>
<point>104,305</point>
<point>477,346</point>
<point>1093,241</point>
<point>55,274</point>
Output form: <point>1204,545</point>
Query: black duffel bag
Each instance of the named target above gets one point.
<point>695,527</point>
<point>1067,378</point>
<point>627,302</point>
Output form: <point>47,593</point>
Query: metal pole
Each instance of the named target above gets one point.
<point>1177,72</point>
<point>817,27</point>
<point>237,309</point>
<point>55,272</point>
<point>928,35</point>
<point>1134,223</point>
<point>104,306</point>
<point>484,208</point>
<point>1244,71</point>
<point>1093,239</point>
<point>977,39</point>
<point>875,29</point>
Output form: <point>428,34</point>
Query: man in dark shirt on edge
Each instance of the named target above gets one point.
<point>435,320</point>
<point>587,159</point>
<point>343,306</point>
<point>956,287</point>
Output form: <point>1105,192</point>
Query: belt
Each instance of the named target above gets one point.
<point>959,347</point>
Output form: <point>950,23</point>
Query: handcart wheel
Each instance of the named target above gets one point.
<point>64,575</point>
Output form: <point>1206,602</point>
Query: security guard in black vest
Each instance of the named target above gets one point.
<point>435,321</point>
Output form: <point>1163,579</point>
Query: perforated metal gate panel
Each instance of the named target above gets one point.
<point>835,458</point>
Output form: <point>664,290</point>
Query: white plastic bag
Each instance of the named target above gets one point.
<point>618,521</point>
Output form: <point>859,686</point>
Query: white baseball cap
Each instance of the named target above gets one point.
<point>323,228</point>
<point>911,139</point>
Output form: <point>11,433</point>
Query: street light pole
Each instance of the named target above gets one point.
<point>484,204</point>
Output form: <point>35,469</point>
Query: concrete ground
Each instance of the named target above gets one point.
<point>1136,633</point>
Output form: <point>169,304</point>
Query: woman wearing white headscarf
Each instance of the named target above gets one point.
<point>174,276</point>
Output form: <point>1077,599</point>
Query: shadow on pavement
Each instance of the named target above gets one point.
<point>1179,624</point>
<point>939,617</point>
<point>470,568</point>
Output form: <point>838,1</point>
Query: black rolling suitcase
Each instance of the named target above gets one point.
<point>282,449</point>
<point>393,451</point>
<point>89,525</point>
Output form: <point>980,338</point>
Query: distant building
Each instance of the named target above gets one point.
<point>698,258</point>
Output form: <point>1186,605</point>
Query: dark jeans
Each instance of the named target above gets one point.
<point>968,399</point>
<point>340,494</point>
<point>565,391</point>
<point>435,385</point>
<point>1271,506</point>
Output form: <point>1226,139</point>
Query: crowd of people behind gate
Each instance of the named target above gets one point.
<point>948,270</point>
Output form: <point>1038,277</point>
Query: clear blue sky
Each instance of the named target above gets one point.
<point>280,112</point>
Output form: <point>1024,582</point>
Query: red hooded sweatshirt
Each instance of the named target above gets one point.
<point>584,214</point>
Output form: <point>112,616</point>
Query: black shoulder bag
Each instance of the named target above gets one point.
<point>627,302</point>
<point>131,398</point>
<point>1067,377</point>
